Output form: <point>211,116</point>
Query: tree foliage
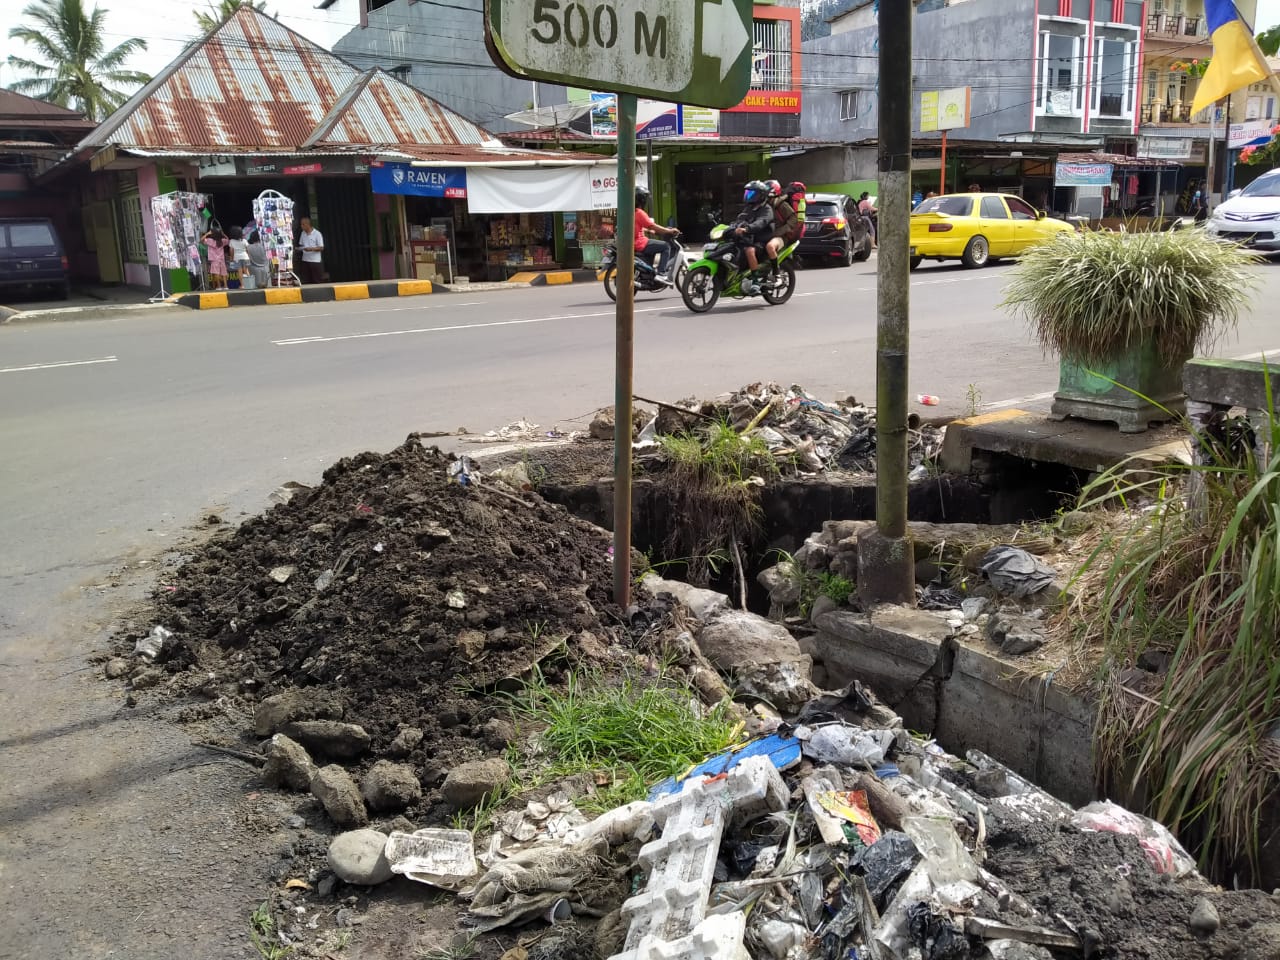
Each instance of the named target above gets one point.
<point>219,13</point>
<point>71,65</point>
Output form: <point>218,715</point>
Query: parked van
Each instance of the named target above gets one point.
<point>32,257</point>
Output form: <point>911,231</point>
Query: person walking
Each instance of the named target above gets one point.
<point>258,261</point>
<point>311,242</point>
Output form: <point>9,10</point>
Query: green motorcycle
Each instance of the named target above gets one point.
<point>720,272</point>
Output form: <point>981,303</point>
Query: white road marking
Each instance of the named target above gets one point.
<point>54,366</point>
<point>438,306</point>
<point>297,341</point>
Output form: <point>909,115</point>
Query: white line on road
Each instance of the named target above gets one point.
<point>52,366</point>
<point>439,306</point>
<point>297,341</point>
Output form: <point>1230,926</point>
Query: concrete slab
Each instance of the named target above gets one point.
<point>1079,444</point>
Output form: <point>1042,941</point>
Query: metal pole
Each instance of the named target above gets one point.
<point>624,346</point>
<point>1227,165</point>
<point>942,178</point>
<point>1209,164</point>
<point>886,566</point>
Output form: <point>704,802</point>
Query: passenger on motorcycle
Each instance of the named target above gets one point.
<point>754,228</point>
<point>787,222</point>
<point>647,248</point>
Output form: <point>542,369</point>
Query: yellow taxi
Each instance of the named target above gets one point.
<point>978,228</point>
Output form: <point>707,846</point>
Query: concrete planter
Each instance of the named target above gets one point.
<point>1090,391</point>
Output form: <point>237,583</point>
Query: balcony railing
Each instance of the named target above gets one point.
<point>1167,26</point>
<point>1165,113</point>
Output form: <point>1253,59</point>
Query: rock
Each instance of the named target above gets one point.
<point>147,678</point>
<point>341,741</point>
<point>325,888</point>
<point>1015,635</point>
<point>288,764</point>
<point>602,424</point>
<point>974,607</point>
<point>115,668</point>
<point>499,733</point>
<point>736,639</point>
<point>321,529</point>
<point>1204,918</point>
<point>469,783</point>
<point>406,741</point>
<point>294,704</point>
<point>282,574</point>
<point>703,604</point>
<point>390,787</point>
<point>295,822</point>
<point>821,605</point>
<point>783,584</point>
<point>335,789</point>
<point>358,856</point>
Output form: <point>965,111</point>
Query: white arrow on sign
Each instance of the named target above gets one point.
<point>724,35</point>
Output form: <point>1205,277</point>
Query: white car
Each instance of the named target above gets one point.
<point>1251,216</point>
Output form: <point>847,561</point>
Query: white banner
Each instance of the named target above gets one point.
<point>543,189</point>
<point>1242,134</point>
<point>1164,148</point>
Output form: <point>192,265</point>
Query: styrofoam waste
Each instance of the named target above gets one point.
<point>755,789</point>
<point>715,938</point>
<point>847,746</point>
<point>633,821</point>
<point>780,937</point>
<point>435,856</point>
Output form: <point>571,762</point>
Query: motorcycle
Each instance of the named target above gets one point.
<point>646,276</point>
<point>721,271</point>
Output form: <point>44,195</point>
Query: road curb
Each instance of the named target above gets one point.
<point>320,293</point>
<point>554,278</point>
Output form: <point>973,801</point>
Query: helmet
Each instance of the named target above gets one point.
<point>642,197</point>
<point>794,188</point>
<point>775,188</point>
<point>755,192</point>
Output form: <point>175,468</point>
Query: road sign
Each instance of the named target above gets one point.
<point>686,51</point>
<point>944,109</point>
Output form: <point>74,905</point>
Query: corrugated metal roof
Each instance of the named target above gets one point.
<point>252,83</point>
<point>20,105</point>
<point>382,109</point>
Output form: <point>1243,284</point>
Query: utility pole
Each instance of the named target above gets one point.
<point>886,565</point>
<point>624,346</point>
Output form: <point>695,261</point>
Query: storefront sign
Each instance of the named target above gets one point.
<point>655,119</point>
<point>410,181</point>
<point>775,63</point>
<point>1240,135</point>
<point>944,109</point>
<point>769,101</point>
<point>1082,175</point>
<point>700,122</point>
<point>1164,148</point>
<point>302,169</point>
<point>545,189</point>
<point>217,167</point>
<point>254,167</point>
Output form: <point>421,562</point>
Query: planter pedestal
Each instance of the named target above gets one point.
<point>1154,394</point>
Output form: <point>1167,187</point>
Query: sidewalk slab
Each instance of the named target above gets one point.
<point>1079,444</point>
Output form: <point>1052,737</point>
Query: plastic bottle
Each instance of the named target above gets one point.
<point>928,400</point>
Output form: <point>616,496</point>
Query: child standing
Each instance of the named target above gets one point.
<point>239,253</point>
<point>215,242</point>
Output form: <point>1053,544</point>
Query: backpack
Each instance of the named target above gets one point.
<point>799,205</point>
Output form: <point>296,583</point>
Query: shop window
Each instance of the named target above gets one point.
<point>771,59</point>
<point>1271,108</point>
<point>848,104</point>
<point>129,210</point>
<point>1113,68</point>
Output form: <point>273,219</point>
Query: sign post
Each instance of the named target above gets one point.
<point>944,110</point>
<point>695,52</point>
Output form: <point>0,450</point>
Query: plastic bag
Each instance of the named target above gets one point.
<point>1163,851</point>
<point>851,806</point>
<point>886,862</point>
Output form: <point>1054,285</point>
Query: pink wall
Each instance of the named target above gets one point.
<point>148,187</point>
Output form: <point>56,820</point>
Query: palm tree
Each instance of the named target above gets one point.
<point>74,68</point>
<point>221,12</point>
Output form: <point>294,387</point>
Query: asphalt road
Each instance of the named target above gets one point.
<point>117,837</point>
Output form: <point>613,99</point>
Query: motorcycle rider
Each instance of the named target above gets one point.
<point>754,228</point>
<point>787,223</point>
<point>647,248</point>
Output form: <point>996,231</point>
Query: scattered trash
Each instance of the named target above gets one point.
<point>1016,573</point>
<point>783,752</point>
<point>455,599</point>
<point>324,581</point>
<point>282,574</point>
<point>852,807</point>
<point>885,862</point>
<point>150,646</point>
<point>515,475</point>
<point>438,857</point>
<point>928,400</point>
<point>1164,852</point>
<point>556,818</point>
<point>463,470</point>
<point>286,492</point>
<point>845,745</point>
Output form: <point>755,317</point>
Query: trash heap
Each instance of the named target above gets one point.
<point>798,428</point>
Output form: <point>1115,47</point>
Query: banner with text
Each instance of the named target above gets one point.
<point>1082,174</point>
<point>410,181</point>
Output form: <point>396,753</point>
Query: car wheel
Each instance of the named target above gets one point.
<point>846,260</point>
<point>977,253</point>
<point>916,261</point>
<point>864,251</point>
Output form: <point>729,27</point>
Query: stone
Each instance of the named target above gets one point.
<point>1075,523</point>
<point>974,607</point>
<point>603,424</point>
<point>1014,634</point>
<point>736,638</point>
<point>783,584</point>
<point>703,604</point>
<point>469,783</point>
<point>337,792</point>
<point>1204,917</point>
<point>283,573</point>
<point>405,742</point>
<point>358,856</point>
<point>147,678</point>
<point>294,704</point>
<point>288,764</point>
<point>341,741</point>
<point>390,787</point>
<point>786,686</point>
<point>321,529</point>
<point>822,604</point>
<point>115,668</point>
<point>326,886</point>
<point>499,733</point>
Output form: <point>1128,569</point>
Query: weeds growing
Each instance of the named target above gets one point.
<point>262,932</point>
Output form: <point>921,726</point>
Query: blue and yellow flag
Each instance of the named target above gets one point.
<point>1236,63</point>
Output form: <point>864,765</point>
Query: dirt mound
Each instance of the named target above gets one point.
<point>394,586</point>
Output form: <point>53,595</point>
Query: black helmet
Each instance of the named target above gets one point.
<point>642,197</point>
<point>755,192</point>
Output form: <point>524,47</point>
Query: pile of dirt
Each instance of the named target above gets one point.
<point>401,590</point>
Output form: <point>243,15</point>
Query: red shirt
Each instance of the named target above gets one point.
<point>643,222</point>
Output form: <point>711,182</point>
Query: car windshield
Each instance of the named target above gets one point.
<point>1267,185</point>
<point>30,235</point>
<point>951,206</point>
<point>821,209</point>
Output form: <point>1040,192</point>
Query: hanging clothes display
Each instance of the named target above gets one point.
<point>273,215</point>
<point>179,222</point>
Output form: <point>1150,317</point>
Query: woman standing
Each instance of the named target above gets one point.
<point>239,251</point>
<point>215,242</point>
<point>258,261</point>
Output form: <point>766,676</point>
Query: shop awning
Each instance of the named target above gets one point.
<point>543,190</point>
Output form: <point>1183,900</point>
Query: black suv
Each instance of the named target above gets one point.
<point>834,230</point>
<point>32,255</point>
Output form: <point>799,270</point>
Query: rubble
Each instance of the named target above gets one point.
<point>288,764</point>
<point>469,783</point>
<point>337,792</point>
<point>357,856</point>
